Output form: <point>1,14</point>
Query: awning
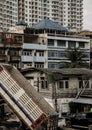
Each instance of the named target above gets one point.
<point>83,100</point>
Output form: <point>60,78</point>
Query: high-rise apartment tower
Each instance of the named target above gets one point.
<point>8,14</point>
<point>69,13</point>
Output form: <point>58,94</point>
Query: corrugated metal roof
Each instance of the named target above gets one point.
<point>83,100</point>
<point>70,71</point>
<point>59,73</point>
<point>48,24</point>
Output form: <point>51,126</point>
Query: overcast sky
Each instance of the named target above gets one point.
<point>87,15</point>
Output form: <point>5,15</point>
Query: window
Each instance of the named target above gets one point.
<point>39,65</point>
<point>52,53</point>
<point>43,83</point>
<point>83,83</point>
<point>62,65</point>
<point>41,53</point>
<point>81,45</point>
<point>61,85</point>
<point>14,52</point>
<point>52,65</point>
<point>86,54</point>
<point>80,84</point>
<point>66,84</point>
<point>50,42</point>
<point>61,43</point>
<point>26,52</point>
<point>61,54</point>
<point>71,44</point>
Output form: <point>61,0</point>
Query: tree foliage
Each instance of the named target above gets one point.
<point>75,57</point>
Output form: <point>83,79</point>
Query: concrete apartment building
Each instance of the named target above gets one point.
<point>34,53</point>
<point>8,14</point>
<point>46,43</point>
<point>43,45</point>
<point>11,48</point>
<point>88,34</point>
<point>69,13</point>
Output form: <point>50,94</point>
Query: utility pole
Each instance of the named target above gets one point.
<point>38,84</point>
<point>55,96</point>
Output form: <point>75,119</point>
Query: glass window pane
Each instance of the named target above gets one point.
<point>71,44</point>
<point>61,43</point>
<point>50,42</point>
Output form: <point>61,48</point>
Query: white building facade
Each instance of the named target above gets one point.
<point>8,14</point>
<point>34,52</point>
<point>58,46</point>
<point>48,43</point>
<point>69,13</point>
<point>51,54</point>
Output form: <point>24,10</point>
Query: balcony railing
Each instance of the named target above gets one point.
<point>15,58</point>
<point>33,58</point>
<point>17,45</point>
<point>69,93</point>
<point>34,46</point>
<point>67,35</point>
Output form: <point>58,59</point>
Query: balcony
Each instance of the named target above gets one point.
<point>69,93</point>
<point>3,57</point>
<point>32,59</point>
<point>26,58</point>
<point>15,58</point>
<point>39,59</point>
<point>11,45</point>
<point>64,94</point>
<point>34,46</point>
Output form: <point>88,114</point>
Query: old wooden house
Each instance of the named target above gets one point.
<point>59,86</point>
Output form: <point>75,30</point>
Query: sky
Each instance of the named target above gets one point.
<point>87,16</point>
